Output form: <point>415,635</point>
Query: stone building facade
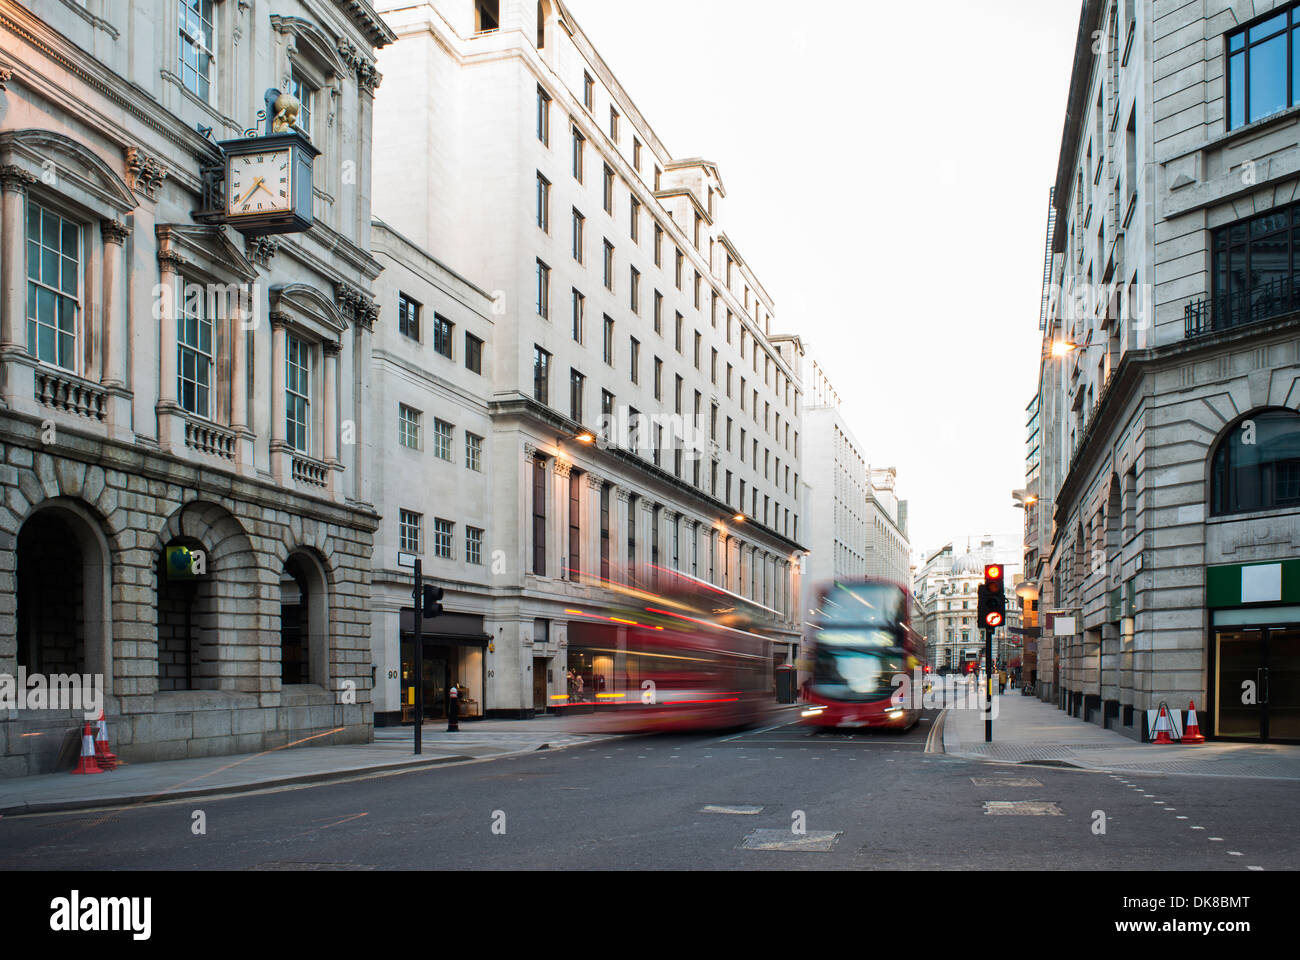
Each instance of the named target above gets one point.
<point>625,317</point>
<point>168,384</point>
<point>1167,406</point>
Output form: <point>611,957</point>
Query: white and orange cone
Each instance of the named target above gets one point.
<point>105,757</point>
<point>87,762</point>
<point>1162,727</point>
<point>1193,734</point>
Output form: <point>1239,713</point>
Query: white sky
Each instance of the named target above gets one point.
<point>887,167</point>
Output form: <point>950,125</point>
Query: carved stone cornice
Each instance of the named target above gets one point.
<point>114,231</point>
<point>261,249</point>
<point>144,173</point>
<point>356,306</point>
<point>14,179</point>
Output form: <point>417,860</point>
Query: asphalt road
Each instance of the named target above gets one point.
<point>734,802</point>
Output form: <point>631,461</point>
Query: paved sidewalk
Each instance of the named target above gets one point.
<point>1028,730</point>
<point>174,779</point>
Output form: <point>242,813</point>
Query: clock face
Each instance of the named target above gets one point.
<point>259,183</point>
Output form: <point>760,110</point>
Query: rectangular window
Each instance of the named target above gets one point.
<point>195,359</point>
<point>697,289</point>
<point>659,313</point>
<point>729,423</point>
<point>613,124</point>
<point>408,317</point>
<point>543,116</point>
<point>678,331</point>
<point>442,333</point>
<point>579,236</point>
<point>442,534</point>
<point>543,290</point>
<point>636,220</point>
<point>729,371</point>
<point>636,154</point>
<point>635,360</point>
<point>541,375</point>
<point>579,316</point>
<point>539,518</point>
<point>305,94</point>
<point>194,66</point>
<point>607,414</point>
<point>680,259</point>
<point>635,296</point>
<point>473,452</point>
<point>588,90</point>
<point>410,528</point>
<point>609,341</point>
<point>575,524</point>
<point>1262,61</point>
<point>699,340</point>
<point>677,394</point>
<point>659,379</point>
<point>577,382</point>
<point>609,190</point>
<point>298,394</point>
<point>714,369</point>
<point>659,245</point>
<point>408,426</point>
<point>473,354</point>
<point>53,285</point>
<point>609,266</point>
<point>543,204</point>
<point>579,142</point>
<point>442,433</point>
<point>474,546</point>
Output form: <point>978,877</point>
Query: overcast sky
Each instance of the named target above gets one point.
<point>887,168</point>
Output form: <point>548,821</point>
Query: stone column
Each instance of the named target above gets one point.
<point>114,334</point>
<point>13,252</point>
<point>171,427</point>
<point>330,415</point>
<point>279,430</point>
<point>239,323</point>
<point>525,526</point>
<point>557,520</point>
<point>591,528</point>
<point>621,566</point>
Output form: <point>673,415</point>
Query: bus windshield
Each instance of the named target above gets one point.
<point>862,605</point>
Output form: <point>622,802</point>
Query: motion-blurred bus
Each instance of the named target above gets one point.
<point>683,656</point>
<point>859,639</point>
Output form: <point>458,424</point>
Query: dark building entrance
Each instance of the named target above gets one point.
<point>455,648</point>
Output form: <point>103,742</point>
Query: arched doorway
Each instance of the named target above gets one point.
<point>62,585</point>
<point>304,620</point>
<point>187,617</point>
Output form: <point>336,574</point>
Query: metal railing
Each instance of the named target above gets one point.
<point>1266,301</point>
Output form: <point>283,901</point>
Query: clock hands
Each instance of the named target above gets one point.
<point>258,184</point>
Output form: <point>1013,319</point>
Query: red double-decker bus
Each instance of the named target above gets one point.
<point>684,656</point>
<point>859,639</point>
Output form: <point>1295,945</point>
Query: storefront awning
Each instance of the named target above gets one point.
<point>450,629</point>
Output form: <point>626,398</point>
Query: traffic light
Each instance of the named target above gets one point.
<point>432,601</point>
<point>992,598</point>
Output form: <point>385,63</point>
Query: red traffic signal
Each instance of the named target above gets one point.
<point>993,577</point>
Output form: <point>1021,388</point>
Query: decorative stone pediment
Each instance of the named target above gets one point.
<point>68,167</point>
<point>206,248</point>
<point>311,40</point>
<point>305,303</point>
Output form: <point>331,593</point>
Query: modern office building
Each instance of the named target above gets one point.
<point>1167,403</point>
<point>641,414</point>
<point>169,385</point>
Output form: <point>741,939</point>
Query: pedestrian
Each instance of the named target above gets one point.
<point>1002,681</point>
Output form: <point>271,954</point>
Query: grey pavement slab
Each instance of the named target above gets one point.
<point>1027,730</point>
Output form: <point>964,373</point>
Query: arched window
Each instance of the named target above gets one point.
<point>1257,465</point>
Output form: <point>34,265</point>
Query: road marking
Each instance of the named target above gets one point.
<point>1254,868</point>
<point>1198,828</point>
<point>1022,808</point>
<point>814,841</point>
<point>1005,782</point>
<point>1180,817</point>
<point>1217,839</point>
<point>755,733</point>
<point>740,810</point>
<point>1234,853</point>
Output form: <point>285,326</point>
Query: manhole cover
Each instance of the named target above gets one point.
<point>1022,808</point>
<point>814,841</point>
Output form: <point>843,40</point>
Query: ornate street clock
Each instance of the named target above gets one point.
<point>269,178</point>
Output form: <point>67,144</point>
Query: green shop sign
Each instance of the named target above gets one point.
<point>1244,584</point>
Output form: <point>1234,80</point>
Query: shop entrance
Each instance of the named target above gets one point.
<point>539,685</point>
<point>1257,683</point>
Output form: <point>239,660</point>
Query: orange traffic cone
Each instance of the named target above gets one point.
<point>87,762</point>
<point>1162,727</point>
<point>105,757</point>
<point>1193,734</point>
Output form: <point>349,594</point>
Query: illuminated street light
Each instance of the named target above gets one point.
<point>1061,348</point>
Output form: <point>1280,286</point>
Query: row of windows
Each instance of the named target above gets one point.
<point>411,538</point>
<point>410,435</point>
<point>409,314</point>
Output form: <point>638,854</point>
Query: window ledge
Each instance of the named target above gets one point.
<point>1274,513</point>
<point>1282,117</point>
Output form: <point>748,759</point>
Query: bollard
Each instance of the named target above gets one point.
<point>453,698</point>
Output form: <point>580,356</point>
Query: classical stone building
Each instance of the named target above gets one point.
<point>623,315</point>
<point>946,586</point>
<point>1167,410</point>
<point>167,384</point>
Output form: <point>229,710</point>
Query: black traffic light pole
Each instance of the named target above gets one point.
<point>988,686</point>
<point>419,655</point>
